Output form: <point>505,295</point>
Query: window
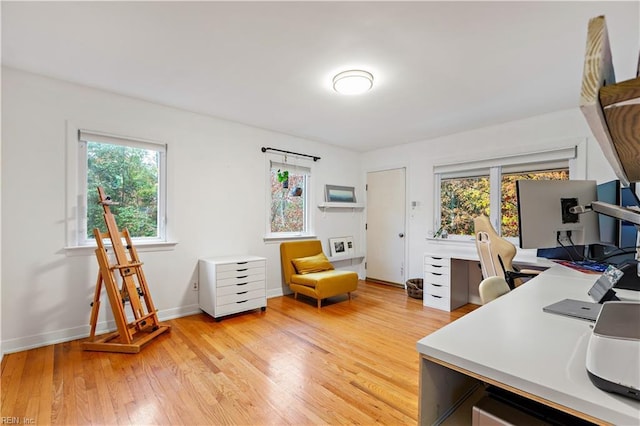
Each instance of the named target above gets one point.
<point>508,196</point>
<point>488,187</point>
<point>288,200</point>
<point>132,173</point>
<point>463,198</point>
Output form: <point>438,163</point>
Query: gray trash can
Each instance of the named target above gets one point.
<point>414,288</point>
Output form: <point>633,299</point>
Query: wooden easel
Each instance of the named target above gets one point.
<point>129,337</point>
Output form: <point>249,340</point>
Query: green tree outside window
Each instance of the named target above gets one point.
<point>462,199</point>
<point>130,177</point>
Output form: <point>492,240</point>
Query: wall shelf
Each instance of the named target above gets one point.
<point>335,205</point>
<point>345,257</point>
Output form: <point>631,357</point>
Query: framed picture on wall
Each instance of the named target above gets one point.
<point>341,246</point>
<point>349,246</point>
<point>338,246</point>
<point>339,194</point>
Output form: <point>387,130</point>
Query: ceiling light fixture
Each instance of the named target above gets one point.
<point>352,82</point>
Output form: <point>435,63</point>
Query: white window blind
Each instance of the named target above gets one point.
<point>301,170</point>
<point>548,159</point>
<point>92,136</point>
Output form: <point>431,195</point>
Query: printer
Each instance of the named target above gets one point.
<point>613,352</point>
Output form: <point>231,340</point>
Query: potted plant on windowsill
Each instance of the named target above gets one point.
<point>283,178</point>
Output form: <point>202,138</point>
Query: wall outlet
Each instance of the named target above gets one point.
<point>194,287</point>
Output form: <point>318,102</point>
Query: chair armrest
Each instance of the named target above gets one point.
<point>532,272</point>
<point>511,276</point>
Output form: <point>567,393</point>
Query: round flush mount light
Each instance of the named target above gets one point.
<point>353,82</point>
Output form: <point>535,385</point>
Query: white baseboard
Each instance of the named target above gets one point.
<point>58,336</point>
<point>277,292</point>
<point>74,333</point>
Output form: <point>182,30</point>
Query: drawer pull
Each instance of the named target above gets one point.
<point>242,270</point>
<point>242,292</point>
<point>437,258</point>
<point>244,276</point>
<point>241,263</point>
<point>436,273</point>
<point>436,285</point>
<point>243,283</point>
<point>243,301</point>
<point>437,297</point>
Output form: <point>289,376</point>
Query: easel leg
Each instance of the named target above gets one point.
<point>95,306</point>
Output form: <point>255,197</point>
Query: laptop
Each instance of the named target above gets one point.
<point>575,308</point>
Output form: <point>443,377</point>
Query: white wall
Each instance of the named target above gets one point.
<point>536,133</point>
<point>216,180</point>
<point>216,193</point>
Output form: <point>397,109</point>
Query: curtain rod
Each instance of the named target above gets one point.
<point>289,152</point>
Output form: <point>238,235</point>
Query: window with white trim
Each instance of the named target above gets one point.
<point>466,190</point>
<point>132,173</point>
<point>289,194</point>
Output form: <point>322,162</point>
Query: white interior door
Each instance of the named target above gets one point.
<point>386,225</point>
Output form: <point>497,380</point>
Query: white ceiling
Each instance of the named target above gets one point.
<point>439,67</point>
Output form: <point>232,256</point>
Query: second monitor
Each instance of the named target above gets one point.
<point>544,216</point>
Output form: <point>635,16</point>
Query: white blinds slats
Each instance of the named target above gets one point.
<point>292,168</point>
<point>91,136</point>
<point>554,158</point>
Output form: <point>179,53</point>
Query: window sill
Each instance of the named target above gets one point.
<point>465,239</point>
<point>468,239</point>
<point>279,238</point>
<point>141,247</point>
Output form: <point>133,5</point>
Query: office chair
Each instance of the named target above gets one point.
<point>496,254</point>
<point>491,288</point>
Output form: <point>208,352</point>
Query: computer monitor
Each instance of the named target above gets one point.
<point>628,231</point>
<point>609,192</point>
<point>613,231</point>
<point>544,215</point>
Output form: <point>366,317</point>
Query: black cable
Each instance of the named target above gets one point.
<point>563,246</point>
<point>575,250</point>
<point>586,257</point>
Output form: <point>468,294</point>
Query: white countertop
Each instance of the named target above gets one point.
<point>511,340</point>
<point>466,250</point>
<point>232,258</point>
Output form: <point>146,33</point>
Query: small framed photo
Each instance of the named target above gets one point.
<point>339,194</point>
<point>351,250</point>
<point>338,246</point>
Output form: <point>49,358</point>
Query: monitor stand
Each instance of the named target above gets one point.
<point>630,280</point>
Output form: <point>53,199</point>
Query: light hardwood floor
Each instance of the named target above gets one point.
<point>350,363</point>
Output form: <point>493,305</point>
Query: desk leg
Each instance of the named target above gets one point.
<point>459,283</point>
<point>442,390</point>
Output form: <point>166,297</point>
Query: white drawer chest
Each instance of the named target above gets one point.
<point>232,284</point>
<point>445,284</point>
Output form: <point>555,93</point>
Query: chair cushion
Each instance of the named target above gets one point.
<point>345,280</point>
<point>310,264</point>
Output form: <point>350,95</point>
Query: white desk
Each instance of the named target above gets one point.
<point>513,344</point>
<point>466,250</point>
<point>451,273</point>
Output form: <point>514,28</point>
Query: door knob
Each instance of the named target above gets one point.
<point>401,235</point>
